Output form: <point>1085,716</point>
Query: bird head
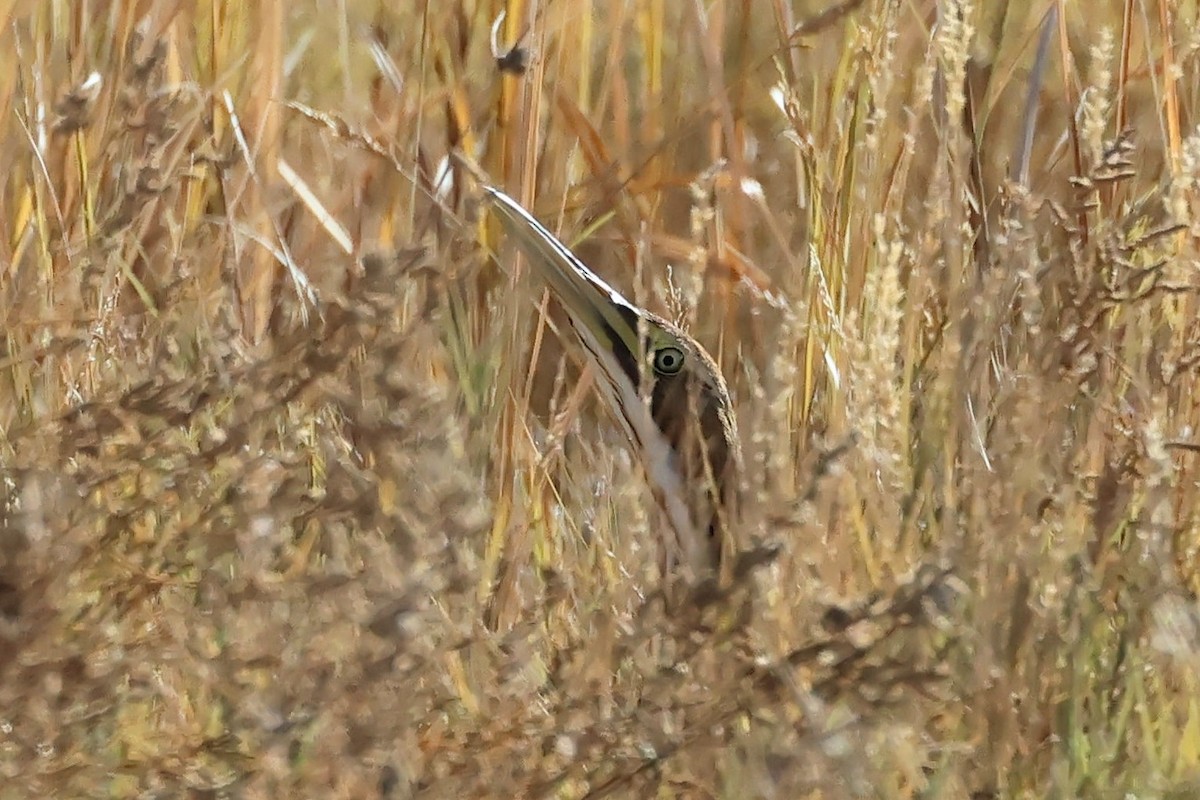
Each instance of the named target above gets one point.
<point>658,382</point>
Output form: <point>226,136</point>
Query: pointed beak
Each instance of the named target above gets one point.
<point>592,304</point>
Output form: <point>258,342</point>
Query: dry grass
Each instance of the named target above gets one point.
<point>304,497</point>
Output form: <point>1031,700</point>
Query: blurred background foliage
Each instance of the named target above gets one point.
<point>304,496</point>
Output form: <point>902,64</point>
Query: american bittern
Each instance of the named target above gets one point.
<point>661,386</point>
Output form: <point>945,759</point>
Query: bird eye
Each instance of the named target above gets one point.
<point>668,360</point>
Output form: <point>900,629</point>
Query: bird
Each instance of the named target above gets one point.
<point>660,385</point>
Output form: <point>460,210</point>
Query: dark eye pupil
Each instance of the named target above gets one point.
<point>669,359</point>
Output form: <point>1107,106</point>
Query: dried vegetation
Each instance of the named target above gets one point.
<point>303,496</point>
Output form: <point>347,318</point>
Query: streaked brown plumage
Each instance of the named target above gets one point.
<point>659,383</point>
